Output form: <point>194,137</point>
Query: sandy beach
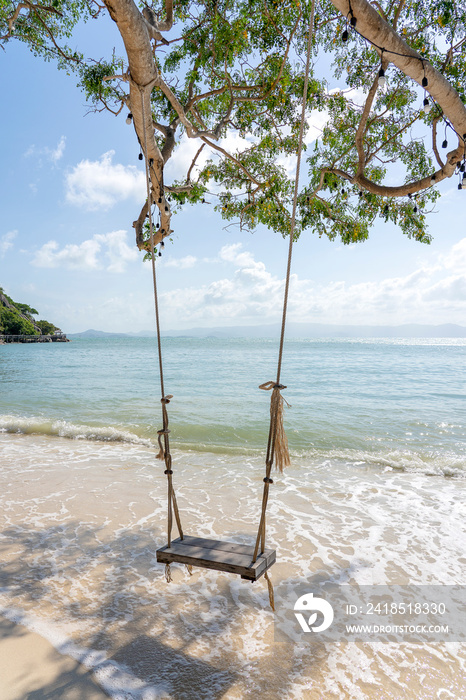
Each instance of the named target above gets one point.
<point>80,525</point>
<point>31,668</point>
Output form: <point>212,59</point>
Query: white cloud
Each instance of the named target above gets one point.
<point>118,252</point>
<point>108,251</point>
<point>181,263</point>
<point>57,153</point>
<point>6,242</point>
<point>82,256</point>
<point>251,294</point>
<point>99,184</point>
<point>178,165</point>
<point>456,259</point>
<point>53,154</point>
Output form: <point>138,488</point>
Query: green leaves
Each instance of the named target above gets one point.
<point>235,68</point>
<point>93,83</point>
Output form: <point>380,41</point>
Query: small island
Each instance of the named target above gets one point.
<point>17,324</point>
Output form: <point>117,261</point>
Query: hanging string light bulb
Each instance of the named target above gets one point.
<point>353,19</point>
<point>426,105</point>
<point>129,118</point>
<point>381,79</point>
<point>344,36</point>
<point>425,82</point>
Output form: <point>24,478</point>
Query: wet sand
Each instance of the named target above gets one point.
<point>79,527</point>
<point>32,669</point>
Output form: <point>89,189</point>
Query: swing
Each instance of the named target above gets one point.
<point>249,562</point>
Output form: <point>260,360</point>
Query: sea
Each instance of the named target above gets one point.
<point>374,497</point>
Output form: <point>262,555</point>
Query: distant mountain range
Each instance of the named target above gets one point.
<point>298,330</point>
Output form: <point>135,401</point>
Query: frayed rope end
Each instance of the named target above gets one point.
<point>270,587</point>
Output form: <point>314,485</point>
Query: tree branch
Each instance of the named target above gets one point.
<point>378,31</point>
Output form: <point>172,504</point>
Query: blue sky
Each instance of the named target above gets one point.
<point>72,184</point>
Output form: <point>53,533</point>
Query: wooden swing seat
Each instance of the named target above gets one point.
<point>221,556</point>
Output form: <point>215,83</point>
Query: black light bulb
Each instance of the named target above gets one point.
<point>344,36</point>
<point>415,209</point>
<point>381,80</point>
<point>425,82</point>
<point>353,21</point>
<point>445,144</point>
<point>140,156</point>
<point>160,200</point>
<point>129,118</point>
<point>386,209</point>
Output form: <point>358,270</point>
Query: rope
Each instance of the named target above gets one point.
<point>164,451</point>
<point>277,445</point>
<point>270,588</point>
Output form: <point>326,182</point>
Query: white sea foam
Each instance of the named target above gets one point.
<point>88,573</point>
<point>38,426</point>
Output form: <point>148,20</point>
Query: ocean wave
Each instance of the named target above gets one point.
<point>445,464</point>
<point>435,463</point>
<point>60,428</point>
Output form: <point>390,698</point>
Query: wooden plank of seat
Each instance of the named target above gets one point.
<point>214,554</point>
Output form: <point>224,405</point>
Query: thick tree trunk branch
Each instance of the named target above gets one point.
<point>144,76</point>
<point>372,26</point>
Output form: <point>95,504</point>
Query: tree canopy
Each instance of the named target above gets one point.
<point>388,135</point>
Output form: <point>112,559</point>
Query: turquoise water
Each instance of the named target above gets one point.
<point>374,429</point>
<point>398,400</point>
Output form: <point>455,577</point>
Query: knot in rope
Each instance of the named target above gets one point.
<point>163,453</point>
<point>277,449</point>
<point>267,386</point>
